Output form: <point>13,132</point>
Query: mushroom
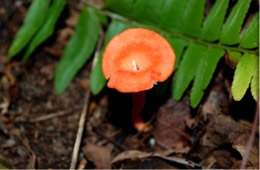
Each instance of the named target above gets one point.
<point>134,61</point>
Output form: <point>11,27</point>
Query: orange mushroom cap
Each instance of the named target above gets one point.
<point>136,59</point>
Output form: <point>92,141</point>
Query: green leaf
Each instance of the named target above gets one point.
<point>145,11</point>
<point>213,23</point>
<point>32,22</point>
<point>243,74</point>
<point>204,73</point>
<point>123,7</point>
<point>151,11</point>
<point>180,21</point>
<point>48,27</point>
<point>232,26</point>
<point>178,46</point>
<point>255,83</point>
<point>78,50</point>
<point>171,14</point>
<point>192,17</point>
<point>187,69</point>
<point>181,16</point>
<point>97,79</point>
<point>250,39</point>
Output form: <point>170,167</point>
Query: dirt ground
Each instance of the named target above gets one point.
<point>38,127</point>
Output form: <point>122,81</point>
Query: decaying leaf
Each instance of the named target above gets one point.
<point>131,154</point>
<point>135,154</point>
<point>225,137</point>
<point>170,126</point>
<point>99,155</point>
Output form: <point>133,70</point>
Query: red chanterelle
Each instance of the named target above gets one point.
<point>136,59</point>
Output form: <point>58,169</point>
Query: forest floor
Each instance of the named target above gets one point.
<point>38,127</point>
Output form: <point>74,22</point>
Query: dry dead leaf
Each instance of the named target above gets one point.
<point>240,142</point>
<point>73,19</point>
<point>99,155</point>
<point>48,70</point>
<point>135,154</point>
<point>131,154</point>
<point>170,126</point>
<point>217,100</point>
<point>64,35</point>
<point>225,134</point>
<point>219,159</point>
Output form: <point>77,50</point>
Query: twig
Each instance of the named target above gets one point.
<point>82,121</point>
<point>45,116</point>
<point>49,116</point>
<point>251,139</point>
<point>84,110</point>
<point>178,160</point>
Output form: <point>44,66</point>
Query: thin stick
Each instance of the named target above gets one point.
<point>49,116</point>
<point>251,140</point>
<point>46,116</point>
<point>84,110</point>
<point>82,121</point>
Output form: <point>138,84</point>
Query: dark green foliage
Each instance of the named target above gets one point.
<point>214,21</point>
<point>39,25</point>
<point>79,49</point>
<point>187,69</point>
<point>192,18</point>
<point>33,21</point>
<point>199,41</point>
<point>207,64</point>
<point>250,39</point>
<point>205,41</point>
<point>231,28</point>
<point>200,69</point>
<point>47,29</point>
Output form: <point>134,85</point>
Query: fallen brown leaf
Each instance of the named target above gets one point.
<point>99,155</point>
<point>223,137</point>
<point>131,154</point>
<point>48,70</point>
<point>73,19</point>
<point>170,126</point>
<point>217,101</point>
<point>135,154</point>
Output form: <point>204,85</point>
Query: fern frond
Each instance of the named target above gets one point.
<point>250,38</point>
<point>232,27</point>
<point>244,72</point>
<point>214,21</point>
<point>181,22</point>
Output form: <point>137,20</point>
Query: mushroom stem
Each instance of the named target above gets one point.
<point>138,101</point>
